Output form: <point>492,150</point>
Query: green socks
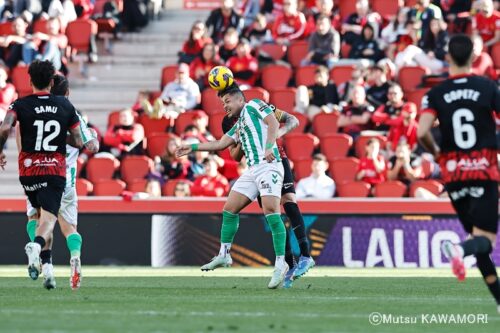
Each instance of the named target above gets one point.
<point>230,223</point>
<point>31,229</point>
<point>74,242</point>
<point>279,233</point>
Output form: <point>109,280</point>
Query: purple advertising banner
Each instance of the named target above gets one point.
<point>392,242</point>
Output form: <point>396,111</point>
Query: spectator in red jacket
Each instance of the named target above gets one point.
<point>7,93</point>
<point>482,64</point>
<point>212,184</point>
<point>243,65</point>
<point>125,138</point>
<point>406,130</point>
<point>201,66</point>
<point>486,23</point>
<point>372,167</point>
<point>290,25</point>
<point>389,113</point>
<point>192,48</point>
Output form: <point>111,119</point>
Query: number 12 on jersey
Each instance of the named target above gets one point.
<point>53,128</point>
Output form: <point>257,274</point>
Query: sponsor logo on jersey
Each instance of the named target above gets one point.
<point>34,187</point>
<point>473,191</point>
<point>46,162</point>
<point>28,162</point>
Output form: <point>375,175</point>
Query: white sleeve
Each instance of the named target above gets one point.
<point>87,136</point>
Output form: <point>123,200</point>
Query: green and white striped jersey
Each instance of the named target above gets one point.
<point>72,153</point>
<point>252,132</point>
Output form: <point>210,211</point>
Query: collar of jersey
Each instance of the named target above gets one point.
<point>41,93</point>
<point>459,76</point>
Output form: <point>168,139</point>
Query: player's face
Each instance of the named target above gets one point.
<point>232,104</point>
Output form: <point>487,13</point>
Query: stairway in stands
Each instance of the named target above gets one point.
<point>113,82</point>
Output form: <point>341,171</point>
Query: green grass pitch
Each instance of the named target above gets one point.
<point>236,300</point>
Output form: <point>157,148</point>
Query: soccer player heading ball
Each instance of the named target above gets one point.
<point>220,78</point>
<point>464,105</point>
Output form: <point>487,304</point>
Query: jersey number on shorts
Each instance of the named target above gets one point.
<point>464,132</point>
<point>51,126</point>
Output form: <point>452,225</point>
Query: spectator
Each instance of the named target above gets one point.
<point>389,114</point>
<point>372,168</point>
<point>248,9</point>
<point>7,93</point>
<point>404,165</point>
<point>325,8</point>
<point>355,117</point>
<point>143,96</point>
<point>64,11</point>
<point>182,190</point>
<point>395,28</point>
<point>318,185</point>
<point>406,129</point>
<point>201,66</point>
<point>357,79</point>
<point>87,7</point>
<point>289,25</point>
<point>192,48</point>
<point>486,23</point>
<point>79,10</point>
<point>221,19</point>
<point>351,29</point>
<point>376,94</point>
<point>452,13</point>
<point>258,32</point>
<point>134,15</point>
<point>244,66</point>
<point>32,6</point>
<point>196,159</point>
<point>153,188</point>
<point>13,44</point>
<point>422,14</point>
<point>200,121</point>
<point>212,184</point>
<point>320,97</point>
<point>170,166</point>
<point>435,42</point>
<point>228,47</point>
<point>178,96</point>
<point>125,138</point>
<point>366,46</point>
<point>482,64</point>
<point>324,44</point>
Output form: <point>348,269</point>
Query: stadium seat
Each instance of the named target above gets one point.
<point>152,126</point>
<point>137,185</point>
<point>105,26</point>
<point>157,142</point>
<point>257,92</point>
<point>79,33</point>
<point>305,75</point>
<point>183,120</point>
<point>386,8</point>
<point>283,98</point>
<point>427,168</point>
<point>169,187</point>
<point>343,169</point>
<point>6,28</point>
<point>275,76</point>
<point>302,169</point>
<point>114,117</point>
<point>109,187</point>
<point>271,50</point>
<point>215,124</point>
<point>353,189</point>
<point>346,8</point>
<point>416,96</point>
<point>341,74</point>
<point>21,80</point>
<point>325,123</point>
<point>101,168</point>
<point>83,187</point>
<point>297,51</point>
<point>390,189</point>
<point>167,75</point>
<point>335,145</point>
<point>299,146</point>
<point>359,145</point>
<point>430,185</point>
<point>210,102</point>
<point>410,77</point>
<point>303,121</point>
<point>495,54</point>
<point>345,49</point>
<point>40,25</point>
<point>135,167</point>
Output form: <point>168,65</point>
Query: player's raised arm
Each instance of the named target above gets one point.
<point>218,145</point>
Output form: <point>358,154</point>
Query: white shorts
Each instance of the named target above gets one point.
<point>264,179</point>
<point>69,206</point>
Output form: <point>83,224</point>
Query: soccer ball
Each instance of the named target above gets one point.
<point>220,77</point>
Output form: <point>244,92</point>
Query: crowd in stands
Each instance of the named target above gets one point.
<point>353,73</point>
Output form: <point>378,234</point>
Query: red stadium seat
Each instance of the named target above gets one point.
<point>83,187</point>
<point>257,92</point>
<point>303,121</point>
<point>135,167</point>
<point>21,80</point>
<point>427,168</point>
<point>335,145</point>
<point>210,102</point>
<point>184,120</point>
<point>157,143</point>
<point>167,75</point>
<point>273,51</point>
<point>325,123</point>
<point>353,189</point>
<point>215,124</point>
<point>299,146</point>
<point>359,145</point>
<point>275,76</point>
<point>152,126</point>
<point>283,98</point>
<point>346,8</point>
<point>416,96</point>
<point>390,189</point>
<point>101,168</point>
<point>430,185</point>
<point>341,74</point>
<point>40,25</point>
<point>79,33</point>
<point>495,54</point>
<point>109,187</point>
<point>302,169</point>
<point>297,51</point>
<point>6,28</point>
<point>305,76</point>
<point>114,118</point>
<point>105,25</point>
<point>345,49</point>
<point>137,185</point>
<point>343,169</point>
<point>410,77</point>
<point>386,8</point>
<point>169,187</point>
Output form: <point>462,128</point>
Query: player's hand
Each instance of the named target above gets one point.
<point>3,161</point>
<point>183,150</point>
<point>270,155</point>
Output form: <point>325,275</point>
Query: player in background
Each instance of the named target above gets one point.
<point>257,129</point>
<point>44,121</point>
<point>288,198</point>
<point>68,213</point>
<point>464,105</point>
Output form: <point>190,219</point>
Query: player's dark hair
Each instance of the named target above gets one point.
<point>227,123</point>
<point>60,86</point>
<point>41,73</point>
<point>233,89</point>
<point>460,49</point>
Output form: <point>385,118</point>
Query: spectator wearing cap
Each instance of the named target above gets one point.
<point>404,165</point>
<point>212,184</point>
<point>290,24</point>
<point>7,93</point>
<point>378,87</point>
<point>372,166</point>
<point>324,44</point>
<point>192,48</point>
<point>318,185</point>
<point>352,27</point>
<point>482,64</point>
<point>201,66</point>
<point>389,114</point>
<point>125,138</point>
<point>406,129</point>
<point>228,47</point>
<point>222,19</point>
<point>355,116</point>
<point>320,97</point>
<point>243,65</point>
<point>486,23</point>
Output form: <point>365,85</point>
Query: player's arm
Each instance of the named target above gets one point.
<point>75,138</point>
<point>424,133</point>
<point>290,122</point>
<point>89,136</point>
<point>236,152</point>
<point>272,135</point>
<point>5,128</point>
<point>218,145</point>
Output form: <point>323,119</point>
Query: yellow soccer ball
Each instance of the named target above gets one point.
<point>220,77</point>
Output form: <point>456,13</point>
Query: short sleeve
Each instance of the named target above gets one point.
<point>232,133</point>
<point>427,106</point>
<point>84,130</point>
<point>13,109</point>
<point>263,109</point>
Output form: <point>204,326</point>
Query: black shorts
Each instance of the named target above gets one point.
<point>288,181</point>
<point>44,191</point>
<point>476,204</point>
